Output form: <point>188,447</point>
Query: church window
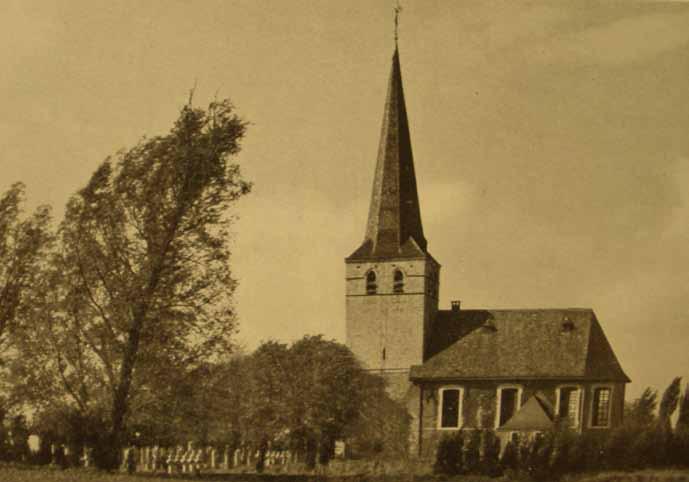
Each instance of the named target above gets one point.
<point>508,403</point>
<point>371,284</point>
<point>600,410</point>
<point>568,405</point>
<point>398,285</point>
<point>450,408</point>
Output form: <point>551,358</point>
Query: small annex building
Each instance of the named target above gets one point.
<point>510,370</point>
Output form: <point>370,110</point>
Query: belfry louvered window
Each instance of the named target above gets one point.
<point>371,284</point>
<point>398,282</point>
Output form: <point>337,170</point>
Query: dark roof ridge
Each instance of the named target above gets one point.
<point>506,378</point>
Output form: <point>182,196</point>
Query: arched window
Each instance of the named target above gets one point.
<point>371,285</point>
<point>509,401</point>
<point>398,284</point>
<point>450,407</point>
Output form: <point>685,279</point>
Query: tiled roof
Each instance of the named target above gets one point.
<point>518,344</point>
<point>394,221</point>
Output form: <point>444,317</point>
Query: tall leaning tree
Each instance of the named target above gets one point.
<point>668,404</point>
<point>145,261</point>
<point>25,242</point>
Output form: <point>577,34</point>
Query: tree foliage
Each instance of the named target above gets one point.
<point>680,446</point>
<point>141,288</point>
<point>306,396</point>
<point>449,455</point>
<point>25,244</point>
<point>669,402</point>
<point>330,389</point>
<point>683,418</point>
<point>641,411</point>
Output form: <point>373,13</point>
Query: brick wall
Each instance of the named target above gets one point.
<point>480,404</point>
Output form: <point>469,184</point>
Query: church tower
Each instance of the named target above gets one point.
<point>392,280</point>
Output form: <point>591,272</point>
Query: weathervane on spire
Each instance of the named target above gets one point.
<point>398,9</point>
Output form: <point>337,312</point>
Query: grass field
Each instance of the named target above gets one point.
<point>10,474</point>
<point>669,475</point>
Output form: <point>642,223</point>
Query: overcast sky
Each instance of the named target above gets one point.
<point>551,143</point>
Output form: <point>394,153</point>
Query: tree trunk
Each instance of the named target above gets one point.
<point>119,406</point>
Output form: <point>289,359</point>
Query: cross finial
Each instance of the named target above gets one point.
<point>398,9</point>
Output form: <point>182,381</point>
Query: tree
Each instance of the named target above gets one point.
<point>683,419</point>
<point>223,400</point>
<point>267,395</point>
<point>24,246</point>
<point>327,393</point>
<point>680,445</point>
<point>143,286</point>
<point>641,412</point>
<point>382,427</point>
<point>193,408</point>
<point>655,445</point>
<point>305,397</point>
<point>633,443</point>
<point>669,403</point>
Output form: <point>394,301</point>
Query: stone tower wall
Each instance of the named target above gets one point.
<point>388,330</point>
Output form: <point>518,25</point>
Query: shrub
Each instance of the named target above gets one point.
<point>472,452</point>
<point>490,454</point>
<point>510,456</point>
<point>643,441</point>
<point>449,455</point>
<point>680,447</point>
<point>649,447</point>
<point>563,441</point>
<point>618,447</point>
<point>586,452</point>
<point>537,457</point>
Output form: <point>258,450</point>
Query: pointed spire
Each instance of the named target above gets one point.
<point>394,221</point>
<point>398,9</point>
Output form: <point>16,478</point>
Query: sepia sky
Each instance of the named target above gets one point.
<point>551,143</point>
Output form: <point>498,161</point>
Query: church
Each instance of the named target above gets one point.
<point>520,370</point>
